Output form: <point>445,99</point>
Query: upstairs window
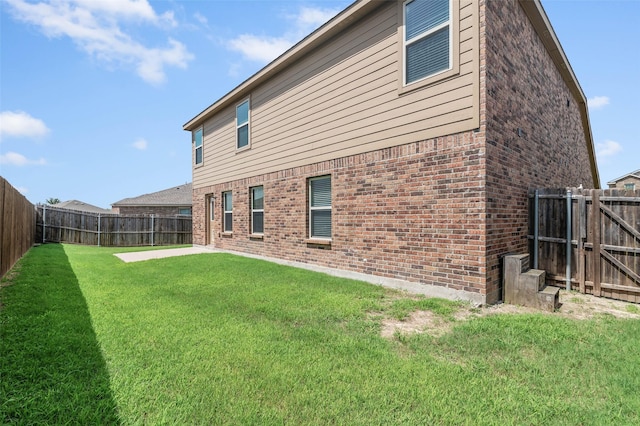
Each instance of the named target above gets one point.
<point>197,146</point>
<point>257,210</point>
<point>427,38</point>
<point>227,207</point>
<point>630,186</point>
<point>320,207</point>
<point>242,125</point>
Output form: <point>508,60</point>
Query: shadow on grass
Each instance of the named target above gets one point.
<point>51,367</point>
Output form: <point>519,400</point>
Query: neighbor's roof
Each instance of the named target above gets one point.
<point>175,196</point>
<point>80,206</point>
<point>635,174</point>
<point>533,8</point>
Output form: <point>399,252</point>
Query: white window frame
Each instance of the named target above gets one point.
<point>629,186</point>
<point>406,43</point>
<point>254,210</point>
<point>320,208</point>
<point>247,123</point>
<point>196,147</point>
<point>225,212</point>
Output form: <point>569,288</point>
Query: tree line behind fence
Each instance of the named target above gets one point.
<point>110,230</point>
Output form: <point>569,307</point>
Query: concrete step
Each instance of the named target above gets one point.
<point>549,298</point>
<point>533,280</point>
<point>527,287</point>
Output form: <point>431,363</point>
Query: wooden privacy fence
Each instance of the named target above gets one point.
<point>17,225</point>
<point>603,227</point>
<point>71,226</point>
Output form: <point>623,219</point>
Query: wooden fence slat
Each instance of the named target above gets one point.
<point>620,265</point>
<point>595,235</point>
<point>621,221</point>
<point>605,250</point>
<point>73,226</point>
<point>582,234</point>
<point>17,226</point>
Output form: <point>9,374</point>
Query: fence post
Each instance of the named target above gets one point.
<point>536,227</point>
<point>152,229</point>
<point>568,247</point>
<point>98,229</point>
<point>44,223</point>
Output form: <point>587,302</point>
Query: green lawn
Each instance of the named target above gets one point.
<point>221,339</point>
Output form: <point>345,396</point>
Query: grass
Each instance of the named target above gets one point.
<point>220,339</point>
<point>633,309</point>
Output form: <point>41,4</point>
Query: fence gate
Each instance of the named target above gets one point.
<point>603,230</point>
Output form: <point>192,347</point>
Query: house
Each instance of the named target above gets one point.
<point>396,142</point>
<point>81,206</point>
<point>173,201</point>
<point>629,181</point>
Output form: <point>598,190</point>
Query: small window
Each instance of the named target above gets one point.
<point>227,207</point>
<point>197,146</point>
<point>427,38</point>
<point>242,125</point>
<point>320,207</point>
<point>630,186</point>
<point>257,210</point>
<point>185,212</point>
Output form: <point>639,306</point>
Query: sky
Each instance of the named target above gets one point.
<point>94,93</point>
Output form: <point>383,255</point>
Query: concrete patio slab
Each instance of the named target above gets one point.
<point>139,256</point>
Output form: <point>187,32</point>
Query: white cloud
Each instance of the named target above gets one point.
<point>200,18</point>
<point>608,149</point>
<point>310,18</point>
<point>15,159</point>
<point>95,26</point>
<point>260,49</point>
<point>140,144</point>
<point>598,102</point>
<point>127,9</point>
<point>266,48</point>
<point>21,124</point>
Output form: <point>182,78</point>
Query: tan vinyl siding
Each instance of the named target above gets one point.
<point>342,99</point>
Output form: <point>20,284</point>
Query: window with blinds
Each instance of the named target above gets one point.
<point>427,38</point>
<point>227,207</point>
<point>320,207</point>
<point>242,125</point>
<point>257,210</point>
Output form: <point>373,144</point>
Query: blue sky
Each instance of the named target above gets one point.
<point>94,93</point>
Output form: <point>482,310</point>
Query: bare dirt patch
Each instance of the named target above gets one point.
<point>573,305</point>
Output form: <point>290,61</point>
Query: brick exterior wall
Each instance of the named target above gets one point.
<point>149,210</point>
<point>524,90</point>
<point>413,212</point>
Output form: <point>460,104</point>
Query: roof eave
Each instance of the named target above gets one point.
<point>542,25</point>
<point>354,11</point>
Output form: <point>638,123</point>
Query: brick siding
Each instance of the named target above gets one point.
<point>524,90</point>
<point>413,212</point>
